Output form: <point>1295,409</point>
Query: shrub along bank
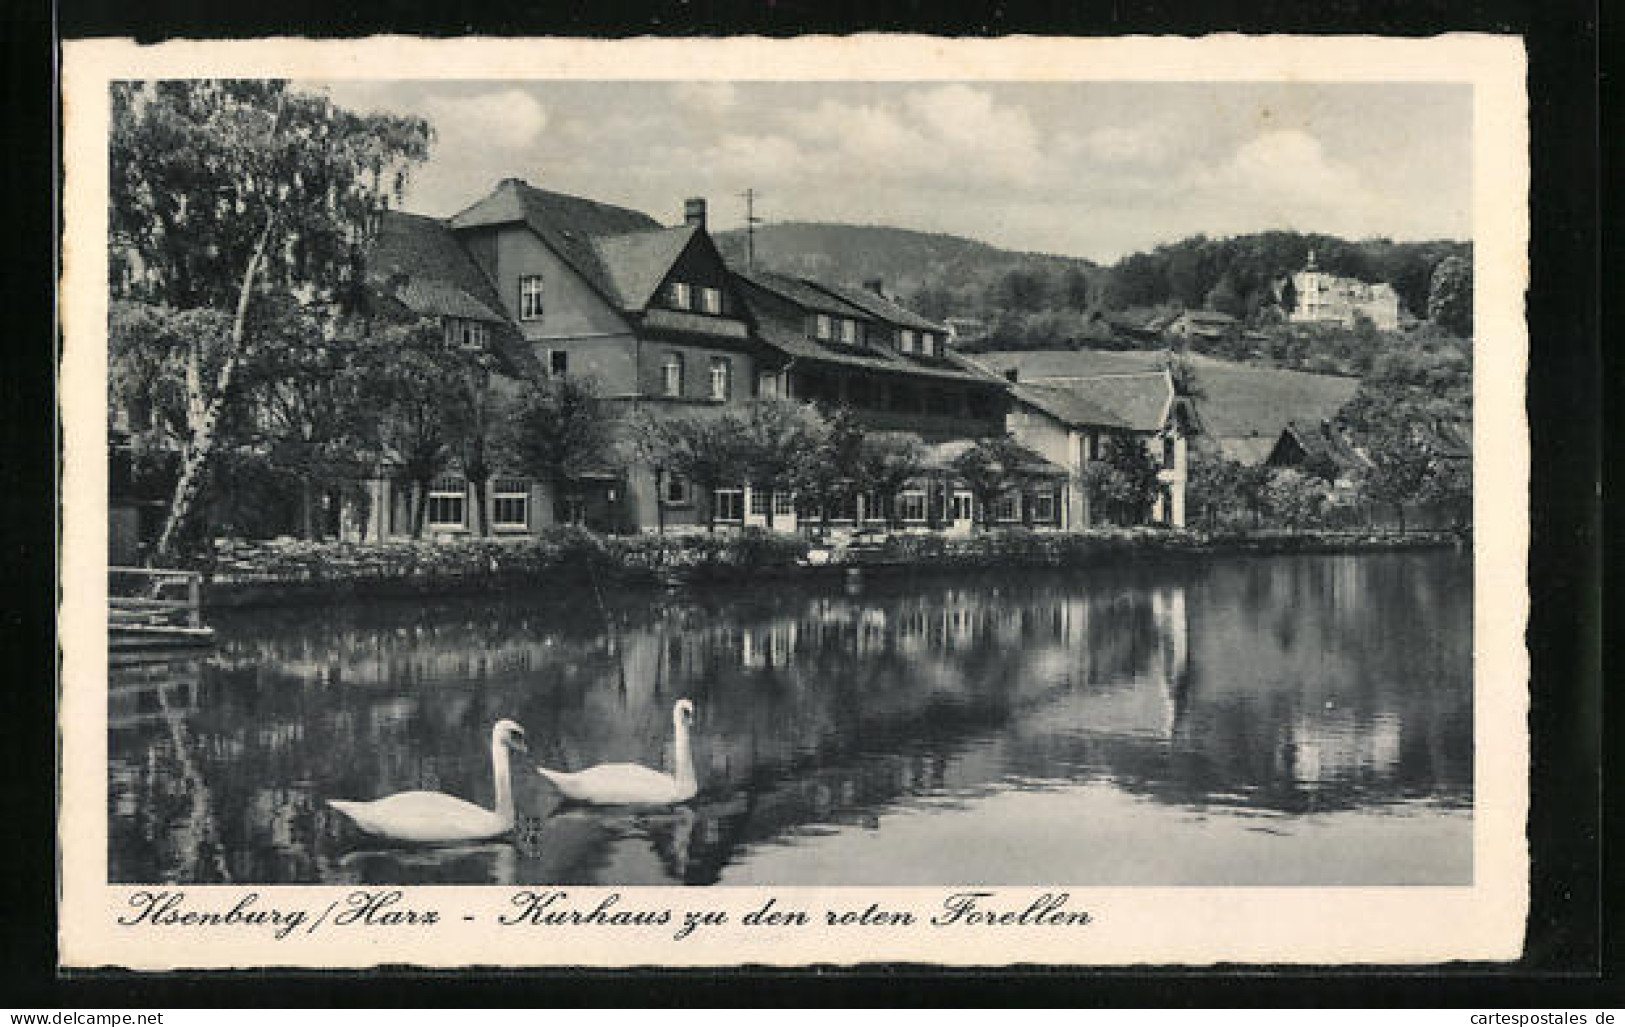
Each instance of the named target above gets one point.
<point>252,573</point>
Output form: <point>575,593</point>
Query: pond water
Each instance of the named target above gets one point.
<point>1276,720</point>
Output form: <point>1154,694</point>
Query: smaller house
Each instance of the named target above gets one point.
<point>1206,325</point>
<point>1324,450</point>
<point>1074,421</point>
<point>965,329</point>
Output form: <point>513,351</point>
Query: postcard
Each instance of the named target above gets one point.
<point>822,501</point>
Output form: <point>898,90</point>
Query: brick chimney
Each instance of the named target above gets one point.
<point>876,286</point>
<point>694,211</point>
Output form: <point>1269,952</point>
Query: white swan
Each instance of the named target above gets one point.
<point>436,816</point>
<point>628,784</point>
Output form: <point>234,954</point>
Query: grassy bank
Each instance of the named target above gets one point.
<point>270,573</point>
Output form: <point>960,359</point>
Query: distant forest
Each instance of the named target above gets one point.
<point>1030,300</point>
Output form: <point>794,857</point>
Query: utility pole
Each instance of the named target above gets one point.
<point>751,221</point>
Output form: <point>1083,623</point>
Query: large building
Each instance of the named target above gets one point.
<point>559,284</point>
<point>1325,298</point>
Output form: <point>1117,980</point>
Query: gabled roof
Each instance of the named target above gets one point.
<point>1329,444</point>
<point>636,264</point>
<point>417,262</point>
<point>791,340</point>
<point>570,225</point>
<point>879,306</point>
<point>803,294</point>
<point>1070,407</point>
<point>1236,401</point>
<point>1141,399</point>
<point>420,262</point>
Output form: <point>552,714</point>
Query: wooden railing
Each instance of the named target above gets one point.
<point>147,596</point>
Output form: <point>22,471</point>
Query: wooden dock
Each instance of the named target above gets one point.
<point>151,608</point>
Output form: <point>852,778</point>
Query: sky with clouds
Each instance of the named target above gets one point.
<point>1094,170</point>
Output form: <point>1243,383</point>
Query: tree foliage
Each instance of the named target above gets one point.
<point>558,431</point>
<point>1450,296</point>
<point>222,191</point>
<point>1122,485</point>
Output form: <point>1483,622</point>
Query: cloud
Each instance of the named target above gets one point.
<point>1292,163</point>
<point>505,118</point>
<point>707,97</point>
<point>967,121</point>
<point>1122,144</point>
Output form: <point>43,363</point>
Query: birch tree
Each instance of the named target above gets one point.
<point>222,190</point>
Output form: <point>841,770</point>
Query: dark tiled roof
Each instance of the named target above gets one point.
<point>1237,401</point>
<point>418,263</point>
<point>791,339</point>
<point>432,298</point>
<point>879,306</point>
<point>803,294</point>
<point>1069,406</point>
<point>434,275</point>
<point>1327,443</point>
<point>637,264</point>
<point>570,225</point>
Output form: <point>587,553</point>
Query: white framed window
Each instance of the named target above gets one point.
<point>783,504</point>
<point>767,385</point>
<point>849,331</point>
<point>928,343</point>
<point>905,340</point>
<point>711,300</point>
<point>680,295</point>
<point>758,502</point>
<point>448,503</point>
<point>963,506</point>
<point>672,374</point>
<point>1044,507</point>
<point>510,503</point>
<point>824,326</point>
<point>728,505</point>
<point>721,378</point>
<point>911,506</point>
<point>1008,507</point>
<point>530,297</point>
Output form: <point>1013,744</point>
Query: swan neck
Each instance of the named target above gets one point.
<point>504,780</point>
<point>683,756</point>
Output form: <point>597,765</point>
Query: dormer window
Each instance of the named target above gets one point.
<point>906,340</point>
<point>711,301</point>
<point>825,327</point>
<point>849,331</point>
<point>680,296</point>
<point>530,297</point>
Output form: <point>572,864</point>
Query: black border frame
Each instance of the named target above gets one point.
<point>1570,961</point>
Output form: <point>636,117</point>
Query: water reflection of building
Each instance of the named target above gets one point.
<point>816,708</point>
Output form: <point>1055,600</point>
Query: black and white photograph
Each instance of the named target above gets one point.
<point>607,482</point>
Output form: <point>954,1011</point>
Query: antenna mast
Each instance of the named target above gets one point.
<point>751,221</point>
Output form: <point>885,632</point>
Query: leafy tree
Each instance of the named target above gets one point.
<point>703,448</point>
<point>306,406</point>
<point>780,438</point>
<point>419,419</point>
<point>885,464</point>
<point>1226,298</point>
<point>1294,498</point>
<point>1450,296</point>
<point>830,478</point>
<point>223,188</point>
<point>557,431</point>
<point>1124,483</point>
<point>991,468</point>
<point>1402,465</point>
